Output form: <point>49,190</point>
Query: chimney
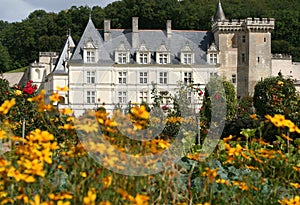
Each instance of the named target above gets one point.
<point>169,28</point>
<point>135,32</point>
<point>107,35</point>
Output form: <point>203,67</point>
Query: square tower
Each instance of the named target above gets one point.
<point>244,49</point>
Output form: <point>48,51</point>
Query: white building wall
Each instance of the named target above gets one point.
<point>107,86</point>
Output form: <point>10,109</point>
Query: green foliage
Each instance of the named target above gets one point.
<point>276,95</point>
<point>215,92</point>
<point>43,31</point>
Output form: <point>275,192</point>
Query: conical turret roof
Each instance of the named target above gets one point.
<point>219,15</point>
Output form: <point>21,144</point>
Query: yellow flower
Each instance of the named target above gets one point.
<point>223,181</point>
<point>141,199</point>
<point>90,198</point>
<point>83,174</point>
<point>87,126</point>
<point>66,111</point>
<point>163,144</point>
<point>5,107</point>
<point>140,112</point>
<point>105,203</point>
<point>54,97</point>
<point>18,92</point>
<point>226,139</point>
<point>37,201</point>
<point>23,197</point>
<point>280,83</point>
<point>253,116</point>
<point>65,88</point>
<point>296,168</point>
<point>67,127</point>
<point>294,201</point>
<point>63,203</point>
<point>107,181</point>
<point>210,174</point>
<point>296,185</point>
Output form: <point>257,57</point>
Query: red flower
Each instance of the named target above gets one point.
<point>217,96</point>
<point>29,88</point>
<point>165,107</point>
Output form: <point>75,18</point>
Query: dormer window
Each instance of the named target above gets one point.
<point>90,52</point>
<point>213,58</point>
<point>90,56</point>
<point>212,54</point>
<point>143,55</point>
<point>122,58</point>
<point>187,54</point>
<point>122,54</point>
<point>163,54</point>
<point>163,58</point>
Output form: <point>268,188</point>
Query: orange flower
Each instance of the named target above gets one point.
<point>5,107</point>
<point>107,181</point>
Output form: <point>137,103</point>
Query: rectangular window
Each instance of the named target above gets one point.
<point>188,77</point>
<point>143,58</point>
<point>163,78</point>
<point>243,39</point>
<point>122,58</point>
<point>187,58</point>
<point>233,78</point>
<point>91,97</point>
<point>143,77</point>
<point>243,58</point>
<point>163,58</point>
<point>90,56</point>
<point>122,96</point>
<point>122,77</point>
<point>213,58</point>
<point>143,96</point>
<point>90,77</point>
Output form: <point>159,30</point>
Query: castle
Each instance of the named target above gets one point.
<point>115,66</point>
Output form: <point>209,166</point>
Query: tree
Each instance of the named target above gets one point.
<point>5,62</point>
<point>228,96</point>
<point>276,95</point>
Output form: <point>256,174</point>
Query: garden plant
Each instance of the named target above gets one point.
<point>48,156</point>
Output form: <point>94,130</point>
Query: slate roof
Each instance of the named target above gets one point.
<point>199,41</point>
<point>61,62</point>
<point>219,15</point>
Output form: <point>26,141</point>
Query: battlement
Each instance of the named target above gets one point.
<point>244,24</point>
<point>262,21</point>
<point>48,54</point>
<point>280,56</point>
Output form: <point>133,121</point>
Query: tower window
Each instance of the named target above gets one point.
<point>265,39</point>
<point>233,78</point>
<point>258,59</point>
<point>244,39</point>
<point>243,57</point>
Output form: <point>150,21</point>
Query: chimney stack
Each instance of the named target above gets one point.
<point>107,35</point>
<point>135,32</point>
<point>169,28</point>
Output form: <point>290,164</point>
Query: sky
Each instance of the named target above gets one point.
<point>17,10</point>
